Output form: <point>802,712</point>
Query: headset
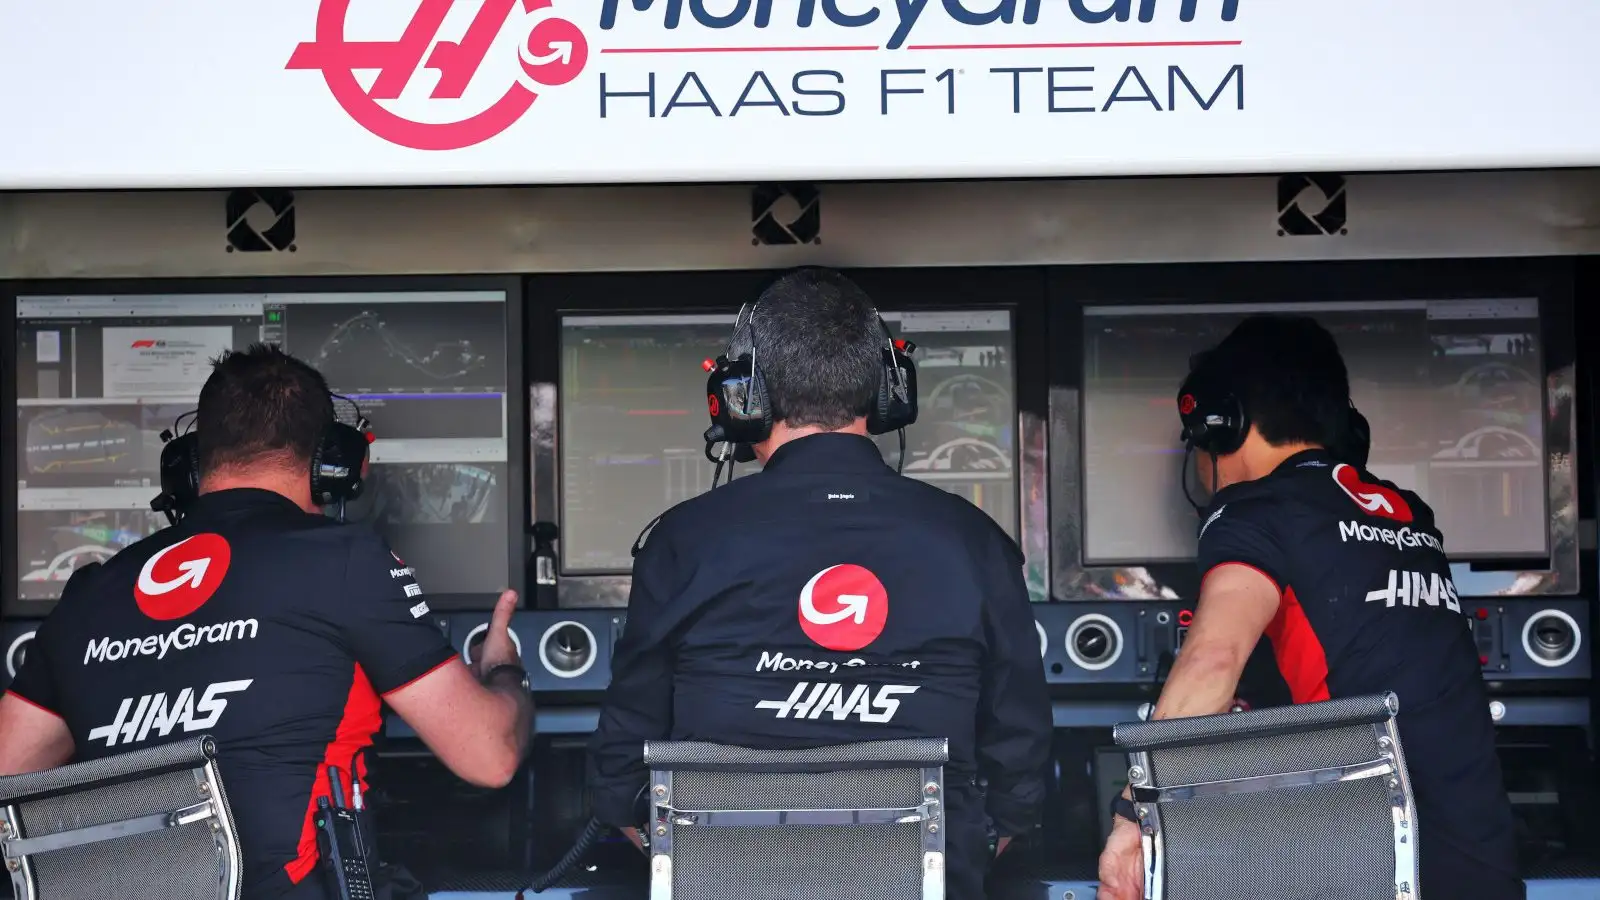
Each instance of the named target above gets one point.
<point>741,412</point>
<point>336,472</point>
<point>1215,419</point>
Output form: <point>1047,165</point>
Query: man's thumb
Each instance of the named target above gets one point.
<point>503,608</point>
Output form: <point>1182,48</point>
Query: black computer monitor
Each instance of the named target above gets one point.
<point>98,377</point>
<point>1453,389</point>
<point>632,413</point>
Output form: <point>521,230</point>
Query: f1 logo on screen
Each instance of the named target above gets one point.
<point>844,607</point>
<point>1374,499</point>
<point>179,579</point>
<point>553,53</point>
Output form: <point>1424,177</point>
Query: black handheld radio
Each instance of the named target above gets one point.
<point>339,838</point>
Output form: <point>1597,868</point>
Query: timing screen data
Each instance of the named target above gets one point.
<point>100,377</point>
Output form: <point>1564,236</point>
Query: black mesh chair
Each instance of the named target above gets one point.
<point>851,822</point>
<point>1309,801</point>
<point>151,823</point>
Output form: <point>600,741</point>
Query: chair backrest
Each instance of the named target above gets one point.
<point>1308,801</point>
<point>849,822</point>
<point>151,823</point>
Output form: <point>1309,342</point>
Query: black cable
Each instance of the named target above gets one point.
<point>900,464</point>
<point>591,833</point>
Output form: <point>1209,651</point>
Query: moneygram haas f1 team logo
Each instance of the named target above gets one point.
<point>1374,499</point>
<point>844,608</point>
<point>180,579</point>
<point>553,51</point>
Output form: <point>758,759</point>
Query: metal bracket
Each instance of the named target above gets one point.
<point>18,848</point>
<point>735,818</point>
<point>1255,783</point>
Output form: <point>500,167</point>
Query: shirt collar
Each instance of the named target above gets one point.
<point>828,452</point>
<point>236,500</point>
<point>1315,454</point>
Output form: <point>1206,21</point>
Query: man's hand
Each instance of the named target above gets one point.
<point>497,648</point>
<point>1122,863</point>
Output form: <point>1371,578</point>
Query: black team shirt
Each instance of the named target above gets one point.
<point>276,631</point>
<point>828,600</point>
<point>1367,606</point>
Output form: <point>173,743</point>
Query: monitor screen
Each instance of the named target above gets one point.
<point>1453,391</point>
<point>633,411</point>
<point>99,377</point>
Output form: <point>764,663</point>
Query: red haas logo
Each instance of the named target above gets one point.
<point>179,579</point>
<point>1374,499</point>
<point>844,608</point>
<point>1186,404</point>
<point>553,54</point>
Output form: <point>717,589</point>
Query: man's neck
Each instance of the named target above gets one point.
<point>295,488</point>
<point>1264,459</point>
<point>782,434</point>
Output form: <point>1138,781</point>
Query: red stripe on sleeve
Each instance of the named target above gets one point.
<point>424,675</point>
<point>359,723</point>
<point>38,706</point>
<point>1301,659</point>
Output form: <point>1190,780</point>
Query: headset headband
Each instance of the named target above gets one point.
<point>736,392</point>
<point>1215,418</point>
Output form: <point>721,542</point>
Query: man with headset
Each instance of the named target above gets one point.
<point>1346,578</point>
<point>827,599</point>
<point>275,629</point>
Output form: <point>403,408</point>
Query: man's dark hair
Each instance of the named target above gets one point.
<point>820,348</point>
<point>261,406</point>
<point>1291,377</point>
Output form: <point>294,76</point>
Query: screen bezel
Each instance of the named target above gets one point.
<point>553,298</point>
<point>1548,280</point>
<point>516,412</point>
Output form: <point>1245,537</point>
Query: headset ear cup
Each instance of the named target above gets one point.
<point>736,400</point>
<point>180,469</point>
<point>896,405</point>
<point>336,466</point>
<point>1214,420</point>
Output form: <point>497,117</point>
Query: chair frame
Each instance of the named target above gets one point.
<point>666,819</point>
<point>1390,764</point>
<point>17,849</point>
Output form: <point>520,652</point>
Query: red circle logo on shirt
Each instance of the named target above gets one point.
<point>180,579</point>
<point>1374,499</point>
<point>844,608</point>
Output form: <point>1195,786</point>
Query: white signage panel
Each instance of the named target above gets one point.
<point>198,93</point>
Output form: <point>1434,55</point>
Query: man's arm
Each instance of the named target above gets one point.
<point>638,704</point>
<point>33,734</point>
<point>1244,565</point>
<point>1014,721</point>
<point>32,738</point>
<point>1237,602</point>
<point>480,731</point>
<point>479,726</point>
